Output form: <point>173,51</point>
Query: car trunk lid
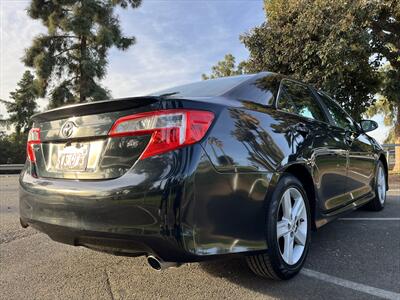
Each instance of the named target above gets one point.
<point>74,141</point>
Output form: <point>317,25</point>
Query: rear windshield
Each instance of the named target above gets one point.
<point>205,88</point>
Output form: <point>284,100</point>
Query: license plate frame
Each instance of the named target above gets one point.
<point>73,158</point>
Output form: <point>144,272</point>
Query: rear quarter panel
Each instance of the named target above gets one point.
<point>245,151</point>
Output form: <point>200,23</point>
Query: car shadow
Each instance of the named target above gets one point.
<point>236,271</point>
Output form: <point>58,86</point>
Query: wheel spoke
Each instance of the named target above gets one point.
<point>298,208</point>
<point>292,226</point>
<point>288,249</point>
<point>287,205</point>
<point>282,228</point>
<point>300,237</point>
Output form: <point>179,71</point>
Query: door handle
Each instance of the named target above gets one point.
<point>301,128</point>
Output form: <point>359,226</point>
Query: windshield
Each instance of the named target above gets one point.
<point>205,88</point>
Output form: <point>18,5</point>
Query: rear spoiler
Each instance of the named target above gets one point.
<point>92,108</point>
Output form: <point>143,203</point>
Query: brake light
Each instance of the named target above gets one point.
<point>170,129</point>
<point>33,138</point>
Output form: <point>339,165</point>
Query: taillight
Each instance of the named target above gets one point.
<point>169,129</point>
<point>33,138</point>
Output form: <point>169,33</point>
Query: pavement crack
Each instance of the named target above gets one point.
<point>108,285</point>
<point>11,237</point>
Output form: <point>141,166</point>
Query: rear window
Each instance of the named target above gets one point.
<point>205,88</point>
<point>261,89</point>
<point>297,98</point>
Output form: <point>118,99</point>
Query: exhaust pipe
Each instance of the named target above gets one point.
<point>158,264</point>
<point>23,223</point>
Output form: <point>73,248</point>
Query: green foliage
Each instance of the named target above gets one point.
<point>13,148</point>
<point>391,138</point>
<point>226,67</point>
<point>71,58</point>
<point>323,42</point>
<point>385,32</point>
<point>384,107</point>
<point>23,104</point>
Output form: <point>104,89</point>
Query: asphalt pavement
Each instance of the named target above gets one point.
<point>356,257</point>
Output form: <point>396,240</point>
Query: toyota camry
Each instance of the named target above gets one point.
<point>245,165</point>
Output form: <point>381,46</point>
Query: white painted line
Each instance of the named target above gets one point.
<point>351,285</point>
<point>370,219</point>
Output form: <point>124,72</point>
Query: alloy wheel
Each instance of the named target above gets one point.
<point>381,185</point>
<point>292,226</point>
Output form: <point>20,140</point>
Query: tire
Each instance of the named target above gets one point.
<point>378,203</point>
<point>275,263</point>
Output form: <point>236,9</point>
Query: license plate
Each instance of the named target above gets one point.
<point>73,158</point>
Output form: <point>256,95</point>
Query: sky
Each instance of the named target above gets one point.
<point>177,41</point>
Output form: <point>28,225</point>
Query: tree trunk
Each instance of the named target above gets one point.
<point>82,75</point>
<point>396,168</point>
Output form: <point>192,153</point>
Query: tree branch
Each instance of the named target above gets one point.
<point>63,36</point>
<point>5,101</point>
<point>65,50</point>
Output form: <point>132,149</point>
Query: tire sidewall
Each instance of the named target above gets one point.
<point>283,269</point>
<point>377,199</point>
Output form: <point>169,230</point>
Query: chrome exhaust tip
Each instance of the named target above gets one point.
<point>23,223</point>
<point>158,264</point>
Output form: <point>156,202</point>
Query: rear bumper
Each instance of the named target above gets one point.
<point>114,243</point>
<point>176,207</point>
<point>135,214</point>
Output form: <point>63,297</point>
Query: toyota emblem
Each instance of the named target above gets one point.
<point>67,129</point>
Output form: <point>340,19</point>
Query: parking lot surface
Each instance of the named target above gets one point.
<point>355,257</point>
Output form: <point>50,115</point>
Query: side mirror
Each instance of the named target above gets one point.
<point>368,125</point>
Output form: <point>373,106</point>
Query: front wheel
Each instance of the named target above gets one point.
<point>378,203</point>
<point>288,232</point>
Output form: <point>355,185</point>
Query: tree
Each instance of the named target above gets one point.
<point>71,58</point>
<point>13,148</point>
<point>385,31</point>
<point>323,42</point>
<point>23,104</point>
<point>226,67</point>
<point>384,107</point>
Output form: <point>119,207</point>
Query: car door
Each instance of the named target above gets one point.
<point>362,164</point>
<point>360,151</point>
<point>326,152</point>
